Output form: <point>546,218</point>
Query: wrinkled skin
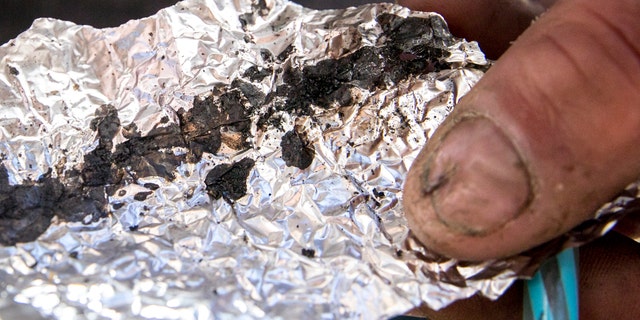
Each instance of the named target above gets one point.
<point>548,135</point>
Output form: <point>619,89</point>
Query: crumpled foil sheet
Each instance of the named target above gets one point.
<point>324,241</point>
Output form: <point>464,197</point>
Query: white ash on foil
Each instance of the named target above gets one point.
<point>228,159</point>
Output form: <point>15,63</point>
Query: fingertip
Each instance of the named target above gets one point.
<point>572,123</point>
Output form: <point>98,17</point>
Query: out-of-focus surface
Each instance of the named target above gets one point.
<point>17,15</point>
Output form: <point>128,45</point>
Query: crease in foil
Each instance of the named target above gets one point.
<point>326,241</point>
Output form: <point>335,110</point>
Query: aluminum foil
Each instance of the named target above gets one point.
<point>154,229</point>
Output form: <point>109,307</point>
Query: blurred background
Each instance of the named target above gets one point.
<point>17,15</point>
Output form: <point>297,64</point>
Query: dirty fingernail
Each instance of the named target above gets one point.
<point>476,179</point>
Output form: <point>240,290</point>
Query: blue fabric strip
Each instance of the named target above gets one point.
<point>537,298</point>
<point>552,293</point>
<point>567,260</point>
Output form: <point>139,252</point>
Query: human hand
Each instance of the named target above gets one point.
<point>545,138</point>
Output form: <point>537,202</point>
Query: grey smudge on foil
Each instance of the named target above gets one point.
<point>153,117</point>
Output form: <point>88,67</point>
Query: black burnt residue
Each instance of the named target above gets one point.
<point>131,131</point>
<point>413,46</point>
<point>137,157</point>
<point>98,169</point>
<point>80,202</point>
<point>255,73</point>
<point>257,7</point>
<point>26,210</point>
<point>261,7</point>
<point>141,196</point>
<point>329,82</point>
<point>212,121</point>
<point>229,181</point>
<point>309,253</point>
<point>151,186</point>
<point>246,19</point>
<point>416,42</point>
<point>250,92</point>
<point>295,150</point>
<point>150,155</point>
<point>409,47</point>
<point>378,194</point>
<point>204,128</point>
<point>285,53</point>
<point>266,55</point>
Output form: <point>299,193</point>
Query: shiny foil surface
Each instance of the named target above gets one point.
<point>319,231</point>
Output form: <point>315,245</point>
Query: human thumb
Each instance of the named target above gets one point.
<point>549,134</point>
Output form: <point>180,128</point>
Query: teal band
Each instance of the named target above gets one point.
<point>552,293</point>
